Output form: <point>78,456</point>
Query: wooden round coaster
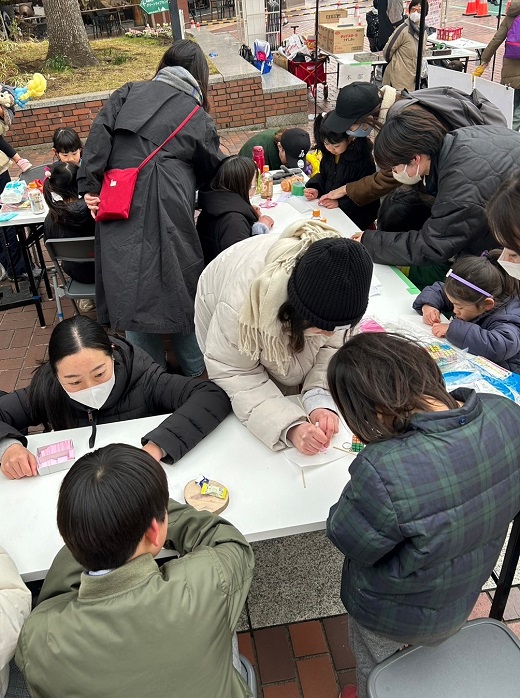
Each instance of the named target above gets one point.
<point>204,502</point>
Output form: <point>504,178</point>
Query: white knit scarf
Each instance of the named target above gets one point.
<point>259,329</point>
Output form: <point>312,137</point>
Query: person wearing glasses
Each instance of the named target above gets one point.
<point>91,378</point>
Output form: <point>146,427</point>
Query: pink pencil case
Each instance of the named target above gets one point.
<point>55,457</point>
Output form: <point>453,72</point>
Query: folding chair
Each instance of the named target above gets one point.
<point>34,173</point>
<point>70,250</point>
<point>481,660</point>
<point>504,581</point>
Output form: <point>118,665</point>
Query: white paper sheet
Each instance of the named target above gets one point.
<point>375,287</point>
<point>442,77</point>
<point>500,95</point>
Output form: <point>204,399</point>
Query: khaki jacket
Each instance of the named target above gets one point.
<point>510,67</point>
<point>257,389</point>
<point>401,54</point>
<point>143,630</point>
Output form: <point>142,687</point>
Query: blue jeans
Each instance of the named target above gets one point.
<point>185,347</point>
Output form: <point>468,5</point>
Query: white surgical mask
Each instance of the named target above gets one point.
<point>361,132</point>
<point>511,268</point>
<point>96,396</point>
<point>415,16</point>
<point>404,178</point>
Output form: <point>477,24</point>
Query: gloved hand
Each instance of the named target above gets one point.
<point>479,70</point>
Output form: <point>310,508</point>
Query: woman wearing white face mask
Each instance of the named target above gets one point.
<point>269,314</point>
<point>92,379</point>
<point>461,169</point>
<point>503,213</point>
<point>402,49</point>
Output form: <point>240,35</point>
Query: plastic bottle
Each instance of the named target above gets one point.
<point>267,184</point>
<point>259,157</point>
<point>36,199</point>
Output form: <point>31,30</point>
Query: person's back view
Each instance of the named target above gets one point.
<point>133,629</point>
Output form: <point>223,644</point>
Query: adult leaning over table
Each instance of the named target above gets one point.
<point>147,266</point>
<point>91,378</point>
<point>270,312</point>
<point>461,169</point>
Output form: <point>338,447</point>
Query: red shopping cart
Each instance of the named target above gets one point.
<point>313,73</point>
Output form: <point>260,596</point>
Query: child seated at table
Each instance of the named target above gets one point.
<point>109,620</point>
<point>67,145</point>
<point>404,208</point>
<point>485,303</point>
<point>346,157</point>
<point>227,215</point>
<point>15,605</point>
<point>425,514</point>
<point>69,217</point>
<point>91,378</point>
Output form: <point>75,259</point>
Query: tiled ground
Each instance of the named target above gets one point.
<point>298,660</point>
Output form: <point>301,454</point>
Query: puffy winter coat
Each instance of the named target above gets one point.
<point>15,605</point>
<point>257,389</point>
<point>510,67</point>
<point>147,267</point>
<point>81,224</point>
<point>495,335</point>
<point>468,170</point>
<point>142,389</point>
<point>354,163</point>
<point>224,220</point>
<point>424,517</point>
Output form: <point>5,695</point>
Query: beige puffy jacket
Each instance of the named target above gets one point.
<point>256,389</point>
<point>15,605</point>
<point>401,54</point>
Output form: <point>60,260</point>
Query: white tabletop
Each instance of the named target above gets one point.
<point>348,58</point>
<point>468,44</point>
<point>267,494</point>
<point>26,217</point>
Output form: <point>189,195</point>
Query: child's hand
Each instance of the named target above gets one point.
<point>311,194</point>
<point>266,220</point>
<point>440,329</point>
<point>18,462</point>
<point>307,438</point>
<point>431,315</point>
<point>328,203</point>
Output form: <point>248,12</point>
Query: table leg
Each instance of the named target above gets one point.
<point>466,65</point>
<point>10,258</point>
<point>36,298</point>
<point>41,260</point>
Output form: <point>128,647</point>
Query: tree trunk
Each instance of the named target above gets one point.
<point>67,34</point>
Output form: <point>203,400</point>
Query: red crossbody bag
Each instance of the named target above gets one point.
<point>118,186</point>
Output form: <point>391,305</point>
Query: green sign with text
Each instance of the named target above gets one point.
<point>153,6</point>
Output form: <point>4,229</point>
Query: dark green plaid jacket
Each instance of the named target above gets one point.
<point>424,517</point>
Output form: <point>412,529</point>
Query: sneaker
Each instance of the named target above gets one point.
<point>348,692</point>
<point>3,273</point>
<point>86,304</point>
<point>24,164</point>
<point>36,272</point>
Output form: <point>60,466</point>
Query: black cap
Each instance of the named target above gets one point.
<point>354,101</point>
<point>329,285</point>
<point>296,142</point>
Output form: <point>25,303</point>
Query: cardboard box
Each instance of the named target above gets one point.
<point>332,15</point>
<point>336,39</point>
<point>280,60</point>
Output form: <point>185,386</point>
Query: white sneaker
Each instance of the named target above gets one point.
<point>3,273</point>
<point>86,304</point>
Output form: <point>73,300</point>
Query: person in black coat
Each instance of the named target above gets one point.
<point>148,266</point>
<point>91,378</point>
<point>346,157</point>
<point>68,217</point>
<point>227,215</point>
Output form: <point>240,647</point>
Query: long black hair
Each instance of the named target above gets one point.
<point>62,182</point>
<point>47,398</point>
<point>235,174</point>
<point>188,54</point>
<point>378,380</point>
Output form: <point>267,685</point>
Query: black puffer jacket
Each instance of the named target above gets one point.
<point>224,220</point>
<point>81,224</point>
<point>470,167</point>
<point>356,162</point>
<point>142,389</point>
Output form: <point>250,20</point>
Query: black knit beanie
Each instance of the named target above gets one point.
<point>330,283</point>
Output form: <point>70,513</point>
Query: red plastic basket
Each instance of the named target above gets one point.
<point>449,33</point>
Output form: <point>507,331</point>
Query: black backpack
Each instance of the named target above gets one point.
<point>246,53</point>
<point>456,108</point>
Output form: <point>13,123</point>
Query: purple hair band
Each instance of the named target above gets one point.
<point>468,283</point>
